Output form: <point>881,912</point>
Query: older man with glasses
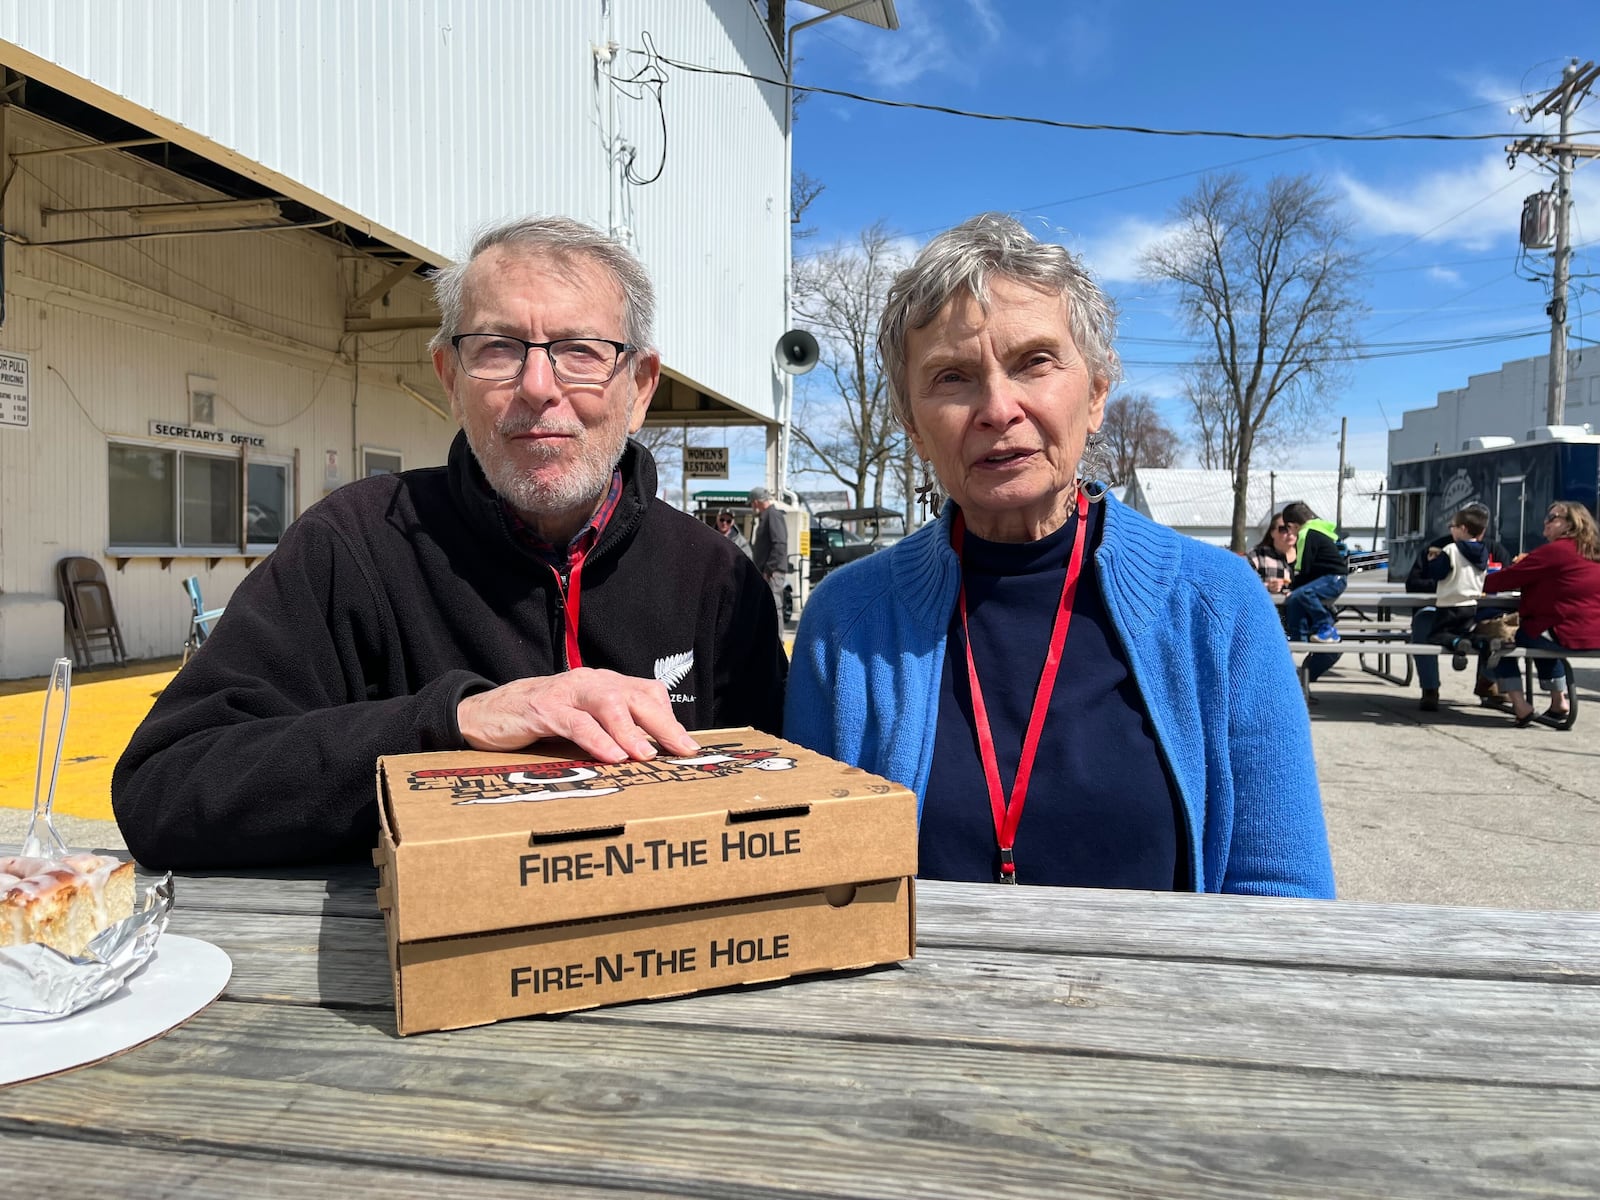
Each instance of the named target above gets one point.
<point>532,588</point>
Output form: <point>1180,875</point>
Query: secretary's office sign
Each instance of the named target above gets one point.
<point>195,433</point>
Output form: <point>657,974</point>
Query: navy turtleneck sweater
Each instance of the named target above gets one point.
<point>1102,809</point>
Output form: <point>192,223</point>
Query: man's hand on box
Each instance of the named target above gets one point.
<point>609,716</point>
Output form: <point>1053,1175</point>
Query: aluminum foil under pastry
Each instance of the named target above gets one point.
<point>38,983</point>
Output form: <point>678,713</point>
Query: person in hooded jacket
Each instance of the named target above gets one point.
<point>1458,571</point>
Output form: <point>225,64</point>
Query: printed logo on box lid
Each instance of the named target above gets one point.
<point>528,782</point>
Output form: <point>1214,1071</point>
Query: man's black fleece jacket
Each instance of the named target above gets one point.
<point>382,607</point>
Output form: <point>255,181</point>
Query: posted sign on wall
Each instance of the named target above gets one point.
<point>14,390</point>
<point>705,462</point>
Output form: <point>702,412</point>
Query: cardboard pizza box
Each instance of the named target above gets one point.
<point>529,882</point>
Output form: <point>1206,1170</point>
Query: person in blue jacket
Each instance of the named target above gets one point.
<point>1077,695</point>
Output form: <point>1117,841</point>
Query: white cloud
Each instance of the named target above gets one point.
<point>1475,207</point>
<point>1086,41</point>
<point>988,20</point>
<point>927,43</point>
<point>1114,256</point>
<point>1444,275</point>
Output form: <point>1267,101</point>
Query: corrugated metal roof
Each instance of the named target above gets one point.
<point>1188,499</point>
<point>881,14</point>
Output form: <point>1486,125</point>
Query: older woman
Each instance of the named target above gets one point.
<point>1076,695</point>
<point>1559,605</point>
<point>1273,557</point>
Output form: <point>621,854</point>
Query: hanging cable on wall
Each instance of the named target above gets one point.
<point>645,83</point>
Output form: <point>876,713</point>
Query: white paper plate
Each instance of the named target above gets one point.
<point>183,977</point>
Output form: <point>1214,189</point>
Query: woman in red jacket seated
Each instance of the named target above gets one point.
<point>1560,604</point>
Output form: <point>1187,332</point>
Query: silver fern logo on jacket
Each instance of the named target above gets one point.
<point>673,670</point>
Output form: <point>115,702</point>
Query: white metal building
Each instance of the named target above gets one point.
<point>1199,502</point>
<point>216,222</point>
<point>1510,403</point>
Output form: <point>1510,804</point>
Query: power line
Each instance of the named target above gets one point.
<point>1091,126</point>
<point>1358,356</point>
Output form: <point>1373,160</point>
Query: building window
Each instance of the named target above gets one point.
<point>267,513</point>
<point>210,501</point>
<point>1408,513</point>
<point>142,511</point>
<point>167,500</point>
<point>377,461</point>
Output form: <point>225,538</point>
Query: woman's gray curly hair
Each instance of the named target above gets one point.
<point>965,259</point>
<point>564,240</point>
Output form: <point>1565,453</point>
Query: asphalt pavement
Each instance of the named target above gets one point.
<point>1454,807</point>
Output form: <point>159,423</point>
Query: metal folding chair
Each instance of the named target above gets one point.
<point>201,618</point>
<point>91,616</point>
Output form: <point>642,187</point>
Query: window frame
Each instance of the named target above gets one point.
<point>1413,503</point>
<point>244,457</point>
<point>369,449</point>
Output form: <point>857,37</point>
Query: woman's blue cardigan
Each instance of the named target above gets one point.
<point>1203,642</point>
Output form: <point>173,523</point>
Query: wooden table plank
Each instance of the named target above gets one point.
<point>725,1113</point>
<point>147,1173</point>
<point>1403,938</point>
<point>1327,1020</point>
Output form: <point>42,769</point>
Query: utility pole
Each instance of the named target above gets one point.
<point>1563,100</point>
<point>1338,502</point>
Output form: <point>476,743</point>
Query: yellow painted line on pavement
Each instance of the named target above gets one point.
<point>107,706</point>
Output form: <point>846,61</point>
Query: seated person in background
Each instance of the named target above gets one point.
<point>1457,570</point>
<point>1559,605</point>
<point>438,609</point>
<point>1273,557</point>
<point>1418,579</point>
<point>1077,695</point>
<point>1320,575</point>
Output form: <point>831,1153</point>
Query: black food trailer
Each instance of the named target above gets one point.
<point>1517,481</point>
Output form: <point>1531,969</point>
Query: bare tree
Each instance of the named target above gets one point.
<point>850,435</point>
<point>1213,418</point>
<point>803,193</point>
<point>1269,279</point>
<point>665,443</point>
<point>1135,436</point>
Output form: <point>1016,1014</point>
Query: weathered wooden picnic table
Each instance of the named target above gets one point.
<point>1043,1042</point>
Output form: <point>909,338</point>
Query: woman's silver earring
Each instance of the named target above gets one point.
<point>1093,466</point>
<point>930,496</point>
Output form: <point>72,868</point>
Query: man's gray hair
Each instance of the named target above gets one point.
<point>965,259</point>
<point>562,239</point>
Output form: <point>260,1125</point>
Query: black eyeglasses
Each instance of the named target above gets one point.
<point>501,357</point>
<point>1280,529</point>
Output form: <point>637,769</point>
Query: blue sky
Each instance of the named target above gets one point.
<point>1437,220</point>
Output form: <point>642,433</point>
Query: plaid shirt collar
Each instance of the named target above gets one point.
<point>560,558</point>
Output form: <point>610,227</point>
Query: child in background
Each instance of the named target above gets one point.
<point>1319,576</point>
<point>1458,570</point>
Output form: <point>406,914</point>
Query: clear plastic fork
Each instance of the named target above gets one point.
<point>42,840</point>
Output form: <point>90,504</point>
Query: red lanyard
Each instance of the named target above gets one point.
<point>571,592</point>
<point>1008,816</point>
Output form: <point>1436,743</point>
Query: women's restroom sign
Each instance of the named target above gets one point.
<point>14,390</point>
